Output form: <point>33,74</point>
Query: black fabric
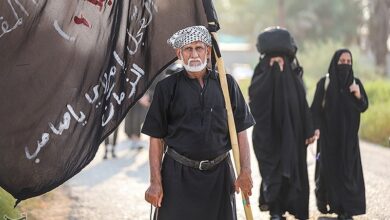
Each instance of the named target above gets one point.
<point>343,71</point>
<point>70,71</point>
<point>192,194</point>
<point>283,122</point>
<point>211,14</point>
<point>276,41</point>
<point>339,176</point>
<point>192,120</point>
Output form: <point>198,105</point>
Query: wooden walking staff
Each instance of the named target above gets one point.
<point>232,125</point>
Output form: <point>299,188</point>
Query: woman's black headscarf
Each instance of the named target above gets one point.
<point>340,103</point>
<point>341,77</point>
<point>346,77</point>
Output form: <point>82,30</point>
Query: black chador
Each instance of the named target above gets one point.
<point>283,123</point>
<point>336,111</point>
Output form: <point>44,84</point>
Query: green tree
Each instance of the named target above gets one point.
<point>325,19</point>
<point>245,17</point>
<point>306,19</point>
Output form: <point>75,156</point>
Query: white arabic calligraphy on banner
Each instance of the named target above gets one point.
<point>107,83</point>
<point>9,25</point>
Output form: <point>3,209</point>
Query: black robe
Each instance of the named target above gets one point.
<point>193,121</point>
<point>339,175</point>
<point>283,122</point>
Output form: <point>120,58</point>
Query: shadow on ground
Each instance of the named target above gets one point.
<point>326,218</point>
<point>102,170</point>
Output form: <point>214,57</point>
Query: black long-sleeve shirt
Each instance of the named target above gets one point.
<point>193,120</point>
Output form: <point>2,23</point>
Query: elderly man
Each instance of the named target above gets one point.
<point>188,116</point>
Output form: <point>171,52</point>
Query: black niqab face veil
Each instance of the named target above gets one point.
<point>342,72</point>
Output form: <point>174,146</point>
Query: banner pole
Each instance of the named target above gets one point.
<point>232,126</point>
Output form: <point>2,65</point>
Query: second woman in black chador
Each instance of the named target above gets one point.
<point>338,102</point>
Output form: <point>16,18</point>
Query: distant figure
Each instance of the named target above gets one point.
<point>136,116</point>
<point>110,142</point>
<point>134,119</point>
<point>283,126</point>
<point>338,102</point>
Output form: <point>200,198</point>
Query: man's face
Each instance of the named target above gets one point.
<point>194,55</point>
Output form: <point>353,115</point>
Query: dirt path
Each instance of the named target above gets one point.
<point>114,188</point>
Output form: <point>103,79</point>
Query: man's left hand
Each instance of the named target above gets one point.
<point>245,183</point>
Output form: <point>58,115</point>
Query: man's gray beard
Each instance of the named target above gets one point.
<point>197,68</point>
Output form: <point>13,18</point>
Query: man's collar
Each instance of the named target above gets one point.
<point>213,74</point>
<point>209,73</point>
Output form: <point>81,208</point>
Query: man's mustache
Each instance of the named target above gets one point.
<point>197,59</point>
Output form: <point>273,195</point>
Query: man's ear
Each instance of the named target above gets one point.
<point>178,54</point>
<point>209,52</point>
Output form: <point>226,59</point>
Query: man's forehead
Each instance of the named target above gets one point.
<point>195,44</point>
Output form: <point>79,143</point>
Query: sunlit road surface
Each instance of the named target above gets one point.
<point>114,188</point>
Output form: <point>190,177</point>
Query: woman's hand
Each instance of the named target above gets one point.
<point>279,60</point>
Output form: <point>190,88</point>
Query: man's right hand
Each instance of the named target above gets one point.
<point>154,194</point>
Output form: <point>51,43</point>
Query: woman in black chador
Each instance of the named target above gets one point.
<point>281,134</point>
<point>338,102</point>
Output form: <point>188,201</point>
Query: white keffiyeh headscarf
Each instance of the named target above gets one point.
<point>189,35</point>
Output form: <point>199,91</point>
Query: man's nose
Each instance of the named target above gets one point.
<point>194,53</point>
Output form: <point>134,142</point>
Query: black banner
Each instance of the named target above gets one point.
<point>69,73</point>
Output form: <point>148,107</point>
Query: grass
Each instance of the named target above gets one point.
<point>375,124</point>
<point>375,121</point>
<point>6,205</point>
<point>35,208</point>
<point>244,85</point>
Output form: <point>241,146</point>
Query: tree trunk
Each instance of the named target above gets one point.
<point>379,32</point>
<point>281,14</point>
